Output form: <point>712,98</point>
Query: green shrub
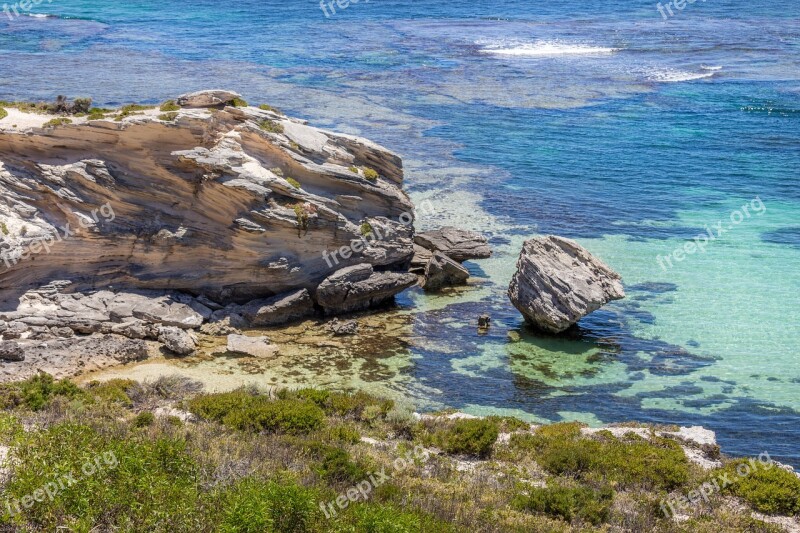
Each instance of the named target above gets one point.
<point>382,518</point>
<point>366,229</point>
<point>238,102</point>
<point>244,411</point>
<point>509,424</point>
<point>768,488</point>
<point>319,397</point>
<point>294,183</point>
<point>112,391</point>
<point>469,437</point>
<point>37,392</point>
<point>60,121</point>
<point>137,485</point>
<point>4,228</point>
<point>271,126</point>
<point>144,419</point>
<point>3,113</point>
<point>10,429</point>
<point>354,170</point>
<point>81,105</point>
<point>338,467</point>
<point>168,106</point>
<point>370,174</point>
<point>631,461</point>
<point>581,503</point>
<point>168,117</point>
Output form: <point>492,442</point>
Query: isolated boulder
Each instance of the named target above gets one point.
<point>177,341</point>
<point>558,282</point>
<point>441,271</point>
<point>210,98</point>
<point>457,244</point>
<point>359,287</point>
<point>343,328</point>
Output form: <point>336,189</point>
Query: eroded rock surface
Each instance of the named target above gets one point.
<point>146,228</point>
<point>360,287</point>
<point>441,271</point>
<point>558,282</point>
<point>457,244</point>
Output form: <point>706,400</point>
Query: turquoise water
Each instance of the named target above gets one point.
<point>598,121</point>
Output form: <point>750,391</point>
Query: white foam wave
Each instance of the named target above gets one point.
<point>713,69</point>
<point>546,49</point>
<point>676,76</point>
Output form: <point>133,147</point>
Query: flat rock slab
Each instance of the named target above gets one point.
<point>457,244</point>
<point>259,347</point>
<point>558,282</point>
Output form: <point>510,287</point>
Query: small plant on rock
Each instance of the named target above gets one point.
<point>169,105</point>
<point>294,183</point>
<point>370,174</point>
<point>271,126</point>
<point>61,121</point>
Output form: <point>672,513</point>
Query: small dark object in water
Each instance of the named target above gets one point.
<point>484,321</point>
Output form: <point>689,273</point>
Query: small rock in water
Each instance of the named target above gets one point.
<point>342,328</point>
<point>254,346</point>
<point>484,321</point>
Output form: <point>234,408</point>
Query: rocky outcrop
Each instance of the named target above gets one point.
<point>457,244</point>
<point>68,357</point>
<point>208,98</point>
<point>558,282</point>
<point>234,203</point>
<point>149,227</point>
<point>360,287</point>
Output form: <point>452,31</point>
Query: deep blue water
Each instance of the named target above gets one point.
<point>599,121</point>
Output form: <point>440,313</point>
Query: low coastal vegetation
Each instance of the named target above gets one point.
<point>60,121</point>
<point>3,113</point>
<point>371,174</point>
<point>164,456</point>
<point>271,126</point>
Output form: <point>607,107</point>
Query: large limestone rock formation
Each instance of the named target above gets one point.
<point>146,227</point>
<point>206,203</point>
<point>558,282</point>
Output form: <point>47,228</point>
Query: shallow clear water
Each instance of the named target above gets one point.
<point>598,121</point>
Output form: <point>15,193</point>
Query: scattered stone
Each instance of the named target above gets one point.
<point>558,282</point>
<point>168,313</point>
<point>342,328</point>
<point>209,98</point>
<point>222,328</point>
<point>259,347</point>
<point>484,321</point>
<point>11,351</point>
<point>177,340</point>
<point>457,244</point>
<point>359,287</point>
